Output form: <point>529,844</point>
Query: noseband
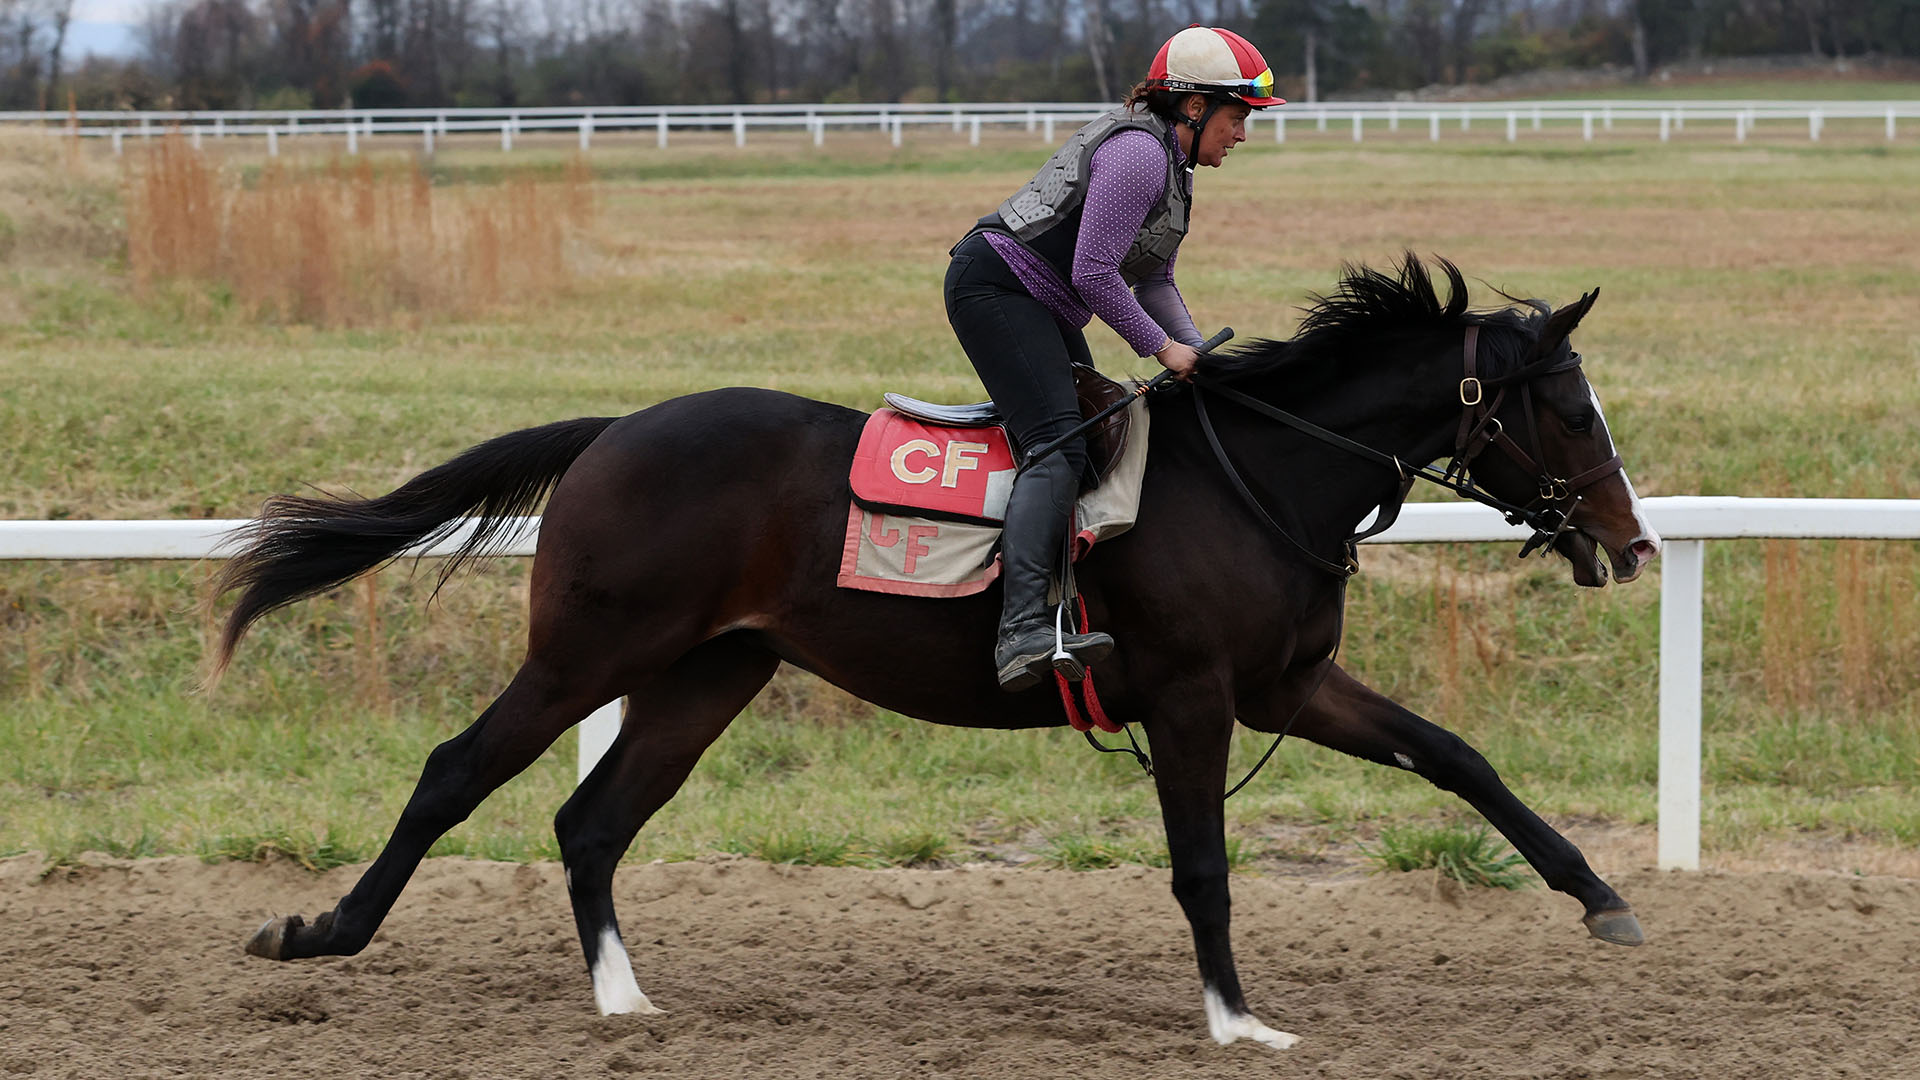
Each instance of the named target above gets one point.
<point>1479,429</point>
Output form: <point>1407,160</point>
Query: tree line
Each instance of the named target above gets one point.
<point>218,54</point>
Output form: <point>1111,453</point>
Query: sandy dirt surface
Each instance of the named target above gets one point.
<point>134,969</point>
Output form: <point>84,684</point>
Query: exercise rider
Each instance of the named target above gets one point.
<point>1094,232</point>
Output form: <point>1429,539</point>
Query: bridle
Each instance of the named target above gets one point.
<point>1479,428</point>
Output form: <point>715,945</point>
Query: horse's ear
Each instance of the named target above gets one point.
<point>1560,324</point>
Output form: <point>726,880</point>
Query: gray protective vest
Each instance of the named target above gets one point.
<point>1061,186</point>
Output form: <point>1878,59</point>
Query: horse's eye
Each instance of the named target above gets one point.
<point>1579,425</point>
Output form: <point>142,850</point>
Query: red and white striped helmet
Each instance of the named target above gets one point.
<point>1210,60</point>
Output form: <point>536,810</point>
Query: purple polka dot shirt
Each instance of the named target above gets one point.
<point>1126,177</point>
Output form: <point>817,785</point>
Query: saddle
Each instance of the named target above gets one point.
<point>1105,442</point>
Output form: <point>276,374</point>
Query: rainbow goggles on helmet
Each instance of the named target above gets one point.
<point>1261,86</point>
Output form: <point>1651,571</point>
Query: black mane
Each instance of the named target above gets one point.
<point>1370,313</point>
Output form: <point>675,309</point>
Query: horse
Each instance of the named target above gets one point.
<point>688,549</point>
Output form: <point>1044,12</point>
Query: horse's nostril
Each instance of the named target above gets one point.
<point>1644,550</point>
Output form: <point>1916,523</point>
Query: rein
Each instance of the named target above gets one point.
<point>1479,428</point>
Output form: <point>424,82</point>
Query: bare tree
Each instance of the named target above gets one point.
<point>1099,45</point>
<point>59,13</point>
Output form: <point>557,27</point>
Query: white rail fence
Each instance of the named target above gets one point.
<point>1735,120</point>
<point>1685,522</point>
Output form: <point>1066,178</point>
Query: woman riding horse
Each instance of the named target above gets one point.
<point>1095,232</point>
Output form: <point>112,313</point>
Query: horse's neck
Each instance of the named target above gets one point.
<point>1324,490</point>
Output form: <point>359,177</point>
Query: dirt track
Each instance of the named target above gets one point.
<point>135,969</point>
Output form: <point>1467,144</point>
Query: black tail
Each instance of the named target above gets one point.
<point>302,546</point>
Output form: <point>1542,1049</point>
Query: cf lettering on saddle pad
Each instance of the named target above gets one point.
<point>907,464</point>
<point>927,504</point>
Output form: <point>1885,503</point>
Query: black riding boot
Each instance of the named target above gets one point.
<point>1034,536</point>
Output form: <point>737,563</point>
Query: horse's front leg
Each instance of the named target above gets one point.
<point>1347,716</point>
<point>1189,740</point>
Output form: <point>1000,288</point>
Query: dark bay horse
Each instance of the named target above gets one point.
<point>691,547</point>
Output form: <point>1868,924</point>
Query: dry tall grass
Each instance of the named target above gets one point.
<point>1854,656</point>
<point>351,244</point>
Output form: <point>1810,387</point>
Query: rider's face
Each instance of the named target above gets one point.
<point>1226,129</point>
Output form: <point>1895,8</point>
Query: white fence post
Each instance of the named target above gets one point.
<point>506,135</point>
<point>1320,120</point>
<point>1031,115</point>
<point>1393,119</point>
<point>426,139</point>
<point>273,143</point>
<point>353,138</point>
<point>1666,123</point>
<point>973,135</point>
<point>1356,127</point>
<point>586,133</point>
<point>660,130</point>
<point>739,129</point>
<point>219,127</point>
<point>1433,127</point>
<point>196,136</point>
<point>1682,587</point>
<point>1813,125</point>
<point>1512,126</point>
<point>1586,126</point>
<point>819,130</point>
<point>896,131</point>
<point>1889,124</point>
<point>118,147</point>
<point>1466,119</point>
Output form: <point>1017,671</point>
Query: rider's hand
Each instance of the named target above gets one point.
<point>1178,359</point>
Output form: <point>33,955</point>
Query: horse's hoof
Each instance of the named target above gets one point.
<point>1618,927</point>
<point>270,940</point>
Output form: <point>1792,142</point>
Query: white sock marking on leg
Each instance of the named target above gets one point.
<point>1227,1026</point>
<point>614,988</point>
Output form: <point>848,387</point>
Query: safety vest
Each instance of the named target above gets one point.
<point>1060,187</point>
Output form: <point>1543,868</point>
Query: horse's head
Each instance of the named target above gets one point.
<point>1560,456</point>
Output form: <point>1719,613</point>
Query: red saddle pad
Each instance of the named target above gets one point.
<point>908,464</point>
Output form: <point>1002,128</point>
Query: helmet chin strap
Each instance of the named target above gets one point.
<point>1199,128</point>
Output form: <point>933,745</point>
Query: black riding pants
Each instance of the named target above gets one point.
<point>1024,356</point>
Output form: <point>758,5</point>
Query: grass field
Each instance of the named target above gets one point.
<point>1757,334</point>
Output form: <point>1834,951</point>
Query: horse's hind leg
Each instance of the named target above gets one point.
<point>1351,718</point>
<point>671,720</point>
<point>513,731</point>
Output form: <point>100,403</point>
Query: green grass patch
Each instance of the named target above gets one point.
<point>316,853</point>
<point>802,847</point>
<point>1472,856</point>
<point>924,847</point>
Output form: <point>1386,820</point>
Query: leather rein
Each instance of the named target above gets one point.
<point>1479,428</point>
